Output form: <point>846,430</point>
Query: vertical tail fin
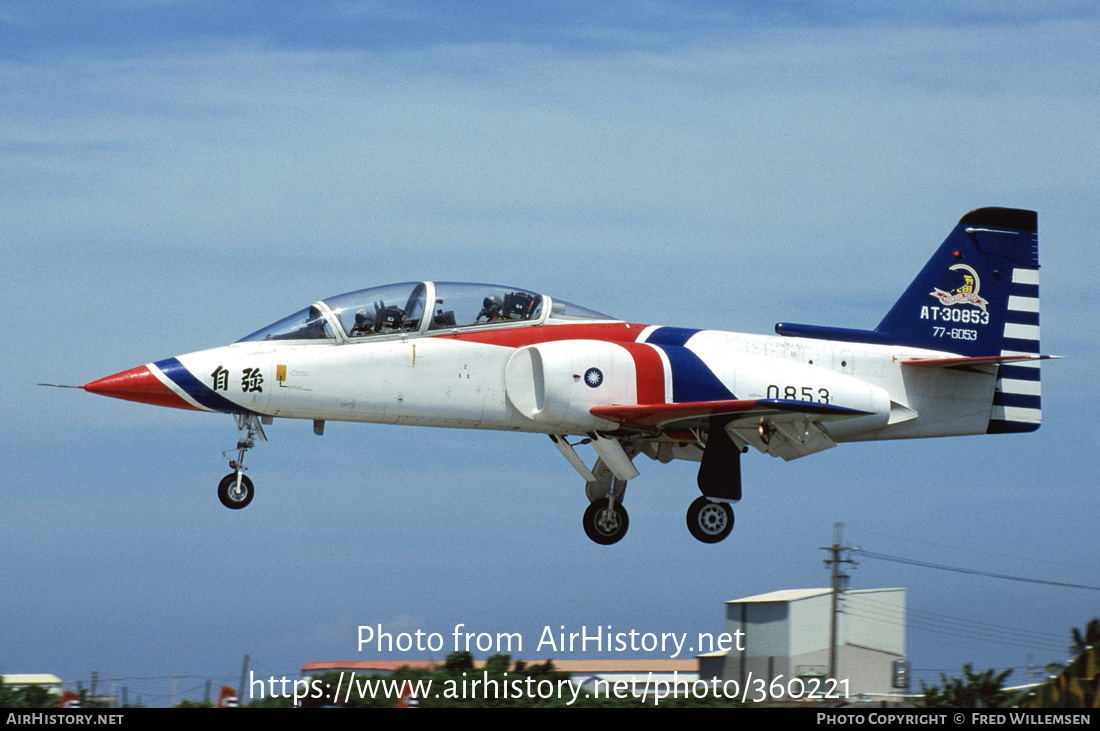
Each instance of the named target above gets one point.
<point>979,296</point>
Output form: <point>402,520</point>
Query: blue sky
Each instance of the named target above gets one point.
<point>174,176</point>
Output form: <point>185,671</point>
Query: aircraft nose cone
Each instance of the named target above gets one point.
<point>137,384</point>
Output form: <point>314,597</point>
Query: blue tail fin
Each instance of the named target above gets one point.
<point>977,296</point>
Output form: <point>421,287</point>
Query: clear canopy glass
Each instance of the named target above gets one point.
<point>307,324</point>
<point>394,308</point>
<point>405,308</point>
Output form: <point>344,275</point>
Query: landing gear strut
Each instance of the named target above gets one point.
<point>605,520</point>
<point>235,490</point>
<point>709,518</point>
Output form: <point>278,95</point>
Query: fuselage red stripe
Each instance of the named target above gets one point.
<point>612,332</point>
<point>650,373</point>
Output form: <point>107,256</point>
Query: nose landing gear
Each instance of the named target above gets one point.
<point>236,491</point>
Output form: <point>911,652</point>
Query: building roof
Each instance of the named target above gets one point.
<point>794,595</point>
<point>31,679</point>
<point>784,595</point>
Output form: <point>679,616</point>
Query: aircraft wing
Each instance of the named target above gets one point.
<point>784,428</point>
<point>687,415</point>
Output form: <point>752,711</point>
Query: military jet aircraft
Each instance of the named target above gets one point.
<point>957,354</point>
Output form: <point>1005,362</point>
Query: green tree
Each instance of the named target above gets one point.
<point>30,696</point>
<point>271,701</point>
<point>458,662</point>
<point>1078,683</point>
<point>498,664</point>
<point>1084,641</point>
<point>7,696</point>
<point>976,690</point>
<point>187,703</point>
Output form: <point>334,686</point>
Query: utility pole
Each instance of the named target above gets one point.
<point>244,678</point>
<point>840,583</point>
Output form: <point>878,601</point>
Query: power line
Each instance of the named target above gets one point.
<point>995,554</point>
<point>947,622</point>
<point>940,624</point>
<point>975,572</point>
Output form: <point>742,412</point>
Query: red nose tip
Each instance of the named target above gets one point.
<point>137,384</point>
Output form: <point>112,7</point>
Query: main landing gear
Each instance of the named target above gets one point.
<point>709,518</point>
<point>606,520</point>
<point>235,490</point>
<point>709,521</point>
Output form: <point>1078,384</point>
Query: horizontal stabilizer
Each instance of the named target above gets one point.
<point>969,363</point>
<point>660,416</point>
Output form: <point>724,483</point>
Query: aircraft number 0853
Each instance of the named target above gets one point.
<point>793,393</point>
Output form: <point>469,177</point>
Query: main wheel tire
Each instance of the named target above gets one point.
<point>708,521</point>
<point>233,498</point>
<point>605,525</point>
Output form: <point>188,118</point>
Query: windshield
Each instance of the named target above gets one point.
<point>307,324</point>
<point>562,310</point>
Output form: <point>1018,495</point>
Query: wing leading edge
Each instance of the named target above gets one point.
<point>696,413</point>
<point>784,428</point>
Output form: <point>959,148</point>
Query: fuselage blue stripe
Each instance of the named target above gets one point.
<point>692,381</point>
<point>670,336</point>
<point>196,389</point>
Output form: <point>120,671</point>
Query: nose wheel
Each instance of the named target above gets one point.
<point>236,491</point>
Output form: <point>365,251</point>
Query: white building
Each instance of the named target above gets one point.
<point>785,635</point>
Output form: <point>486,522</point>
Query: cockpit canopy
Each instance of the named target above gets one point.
<point>404,308</point>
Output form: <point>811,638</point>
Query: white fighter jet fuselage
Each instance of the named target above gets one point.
<point>958,354</point>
